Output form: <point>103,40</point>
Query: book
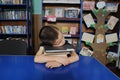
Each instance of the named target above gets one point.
<point>86,52</point>
<point>88,20</point>
<point>72,12</point>
<point>73,30</point>
<point>100,38</point>
<point>112,7</point>
<point>59,12</point>
<point>75,43</point>
<point>49,11</point>
<point>112,22</point>
<point>64,48</point>
<point>88,37</point>
<point>88,5</point>
<point>65,29</point>
<point>111,38</point>
<point>63,54</point>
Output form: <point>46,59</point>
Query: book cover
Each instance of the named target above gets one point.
<point>88,37</point>
<point>111,38</point>
<point>88,20</point>
<point>72,12</point>
<point>49,12</point>
<point>64,48</point>
<point>9,29</point>
<point>86,52</point>
<point>100,38</point>
<point>112,22</point>
<point>88,5</point>
<point>3,29</point>
<point>65,29</point>
<point>112,7</point>
<point>73,30</point>
<point>75,43</point>
<point>59,12</point>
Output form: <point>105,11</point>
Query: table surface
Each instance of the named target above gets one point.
<point>24,68</point>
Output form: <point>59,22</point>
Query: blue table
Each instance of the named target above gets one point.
<point>23,68</point>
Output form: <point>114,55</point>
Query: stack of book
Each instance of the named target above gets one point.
<point>58,51</point>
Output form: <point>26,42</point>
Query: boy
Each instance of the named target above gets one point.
<point>50,35</point>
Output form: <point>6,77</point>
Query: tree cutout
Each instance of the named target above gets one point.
<point>99,44</point>
<point>99,49</point>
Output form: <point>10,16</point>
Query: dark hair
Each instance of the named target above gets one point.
<point>48,34</point>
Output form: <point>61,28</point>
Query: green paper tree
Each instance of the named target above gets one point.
<point>99,49</point>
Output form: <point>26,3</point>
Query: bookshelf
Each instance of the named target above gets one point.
<point>85,7</point>
<point>68,18</point>
<point>16,20</point>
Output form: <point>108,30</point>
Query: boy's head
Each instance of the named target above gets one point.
<point>50,35</point>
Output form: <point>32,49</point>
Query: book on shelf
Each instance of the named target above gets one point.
<point>3,30</point>
<point>16,29</point>
<point>73,30</point>
<point>112,22</point>
<point>75,43</point>
<point>59,12</point>
<point>62,1</point>
<point>14,14</point>
<point>64,29</point>
<point>111,38</point>
<point>72,12</point>
<point>64,48</point>
<point>49,11</point>
<point>88,5</point>
<point>12,1</point>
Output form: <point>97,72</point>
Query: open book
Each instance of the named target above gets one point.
<point>64,48</point>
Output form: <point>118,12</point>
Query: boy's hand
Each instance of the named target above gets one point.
<point>53,64</point>
<point>63,60</point>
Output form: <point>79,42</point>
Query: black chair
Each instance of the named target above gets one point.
<point>13,47</point>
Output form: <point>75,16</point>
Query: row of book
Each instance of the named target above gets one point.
<point>13,29</point>
<point>69,30</point>
<point>12,1</point>
<point>61,1</point>
<point>13,14</point>
<point>110,24</point>
<point>100,38</point>
<point>87,5</point>
<point>61,12</point>
<point>90,5</point>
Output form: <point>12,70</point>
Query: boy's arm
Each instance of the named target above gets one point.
<point>41,58</point>
<point>73,58</point>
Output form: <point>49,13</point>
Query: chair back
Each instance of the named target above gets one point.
<point>13,47</point>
